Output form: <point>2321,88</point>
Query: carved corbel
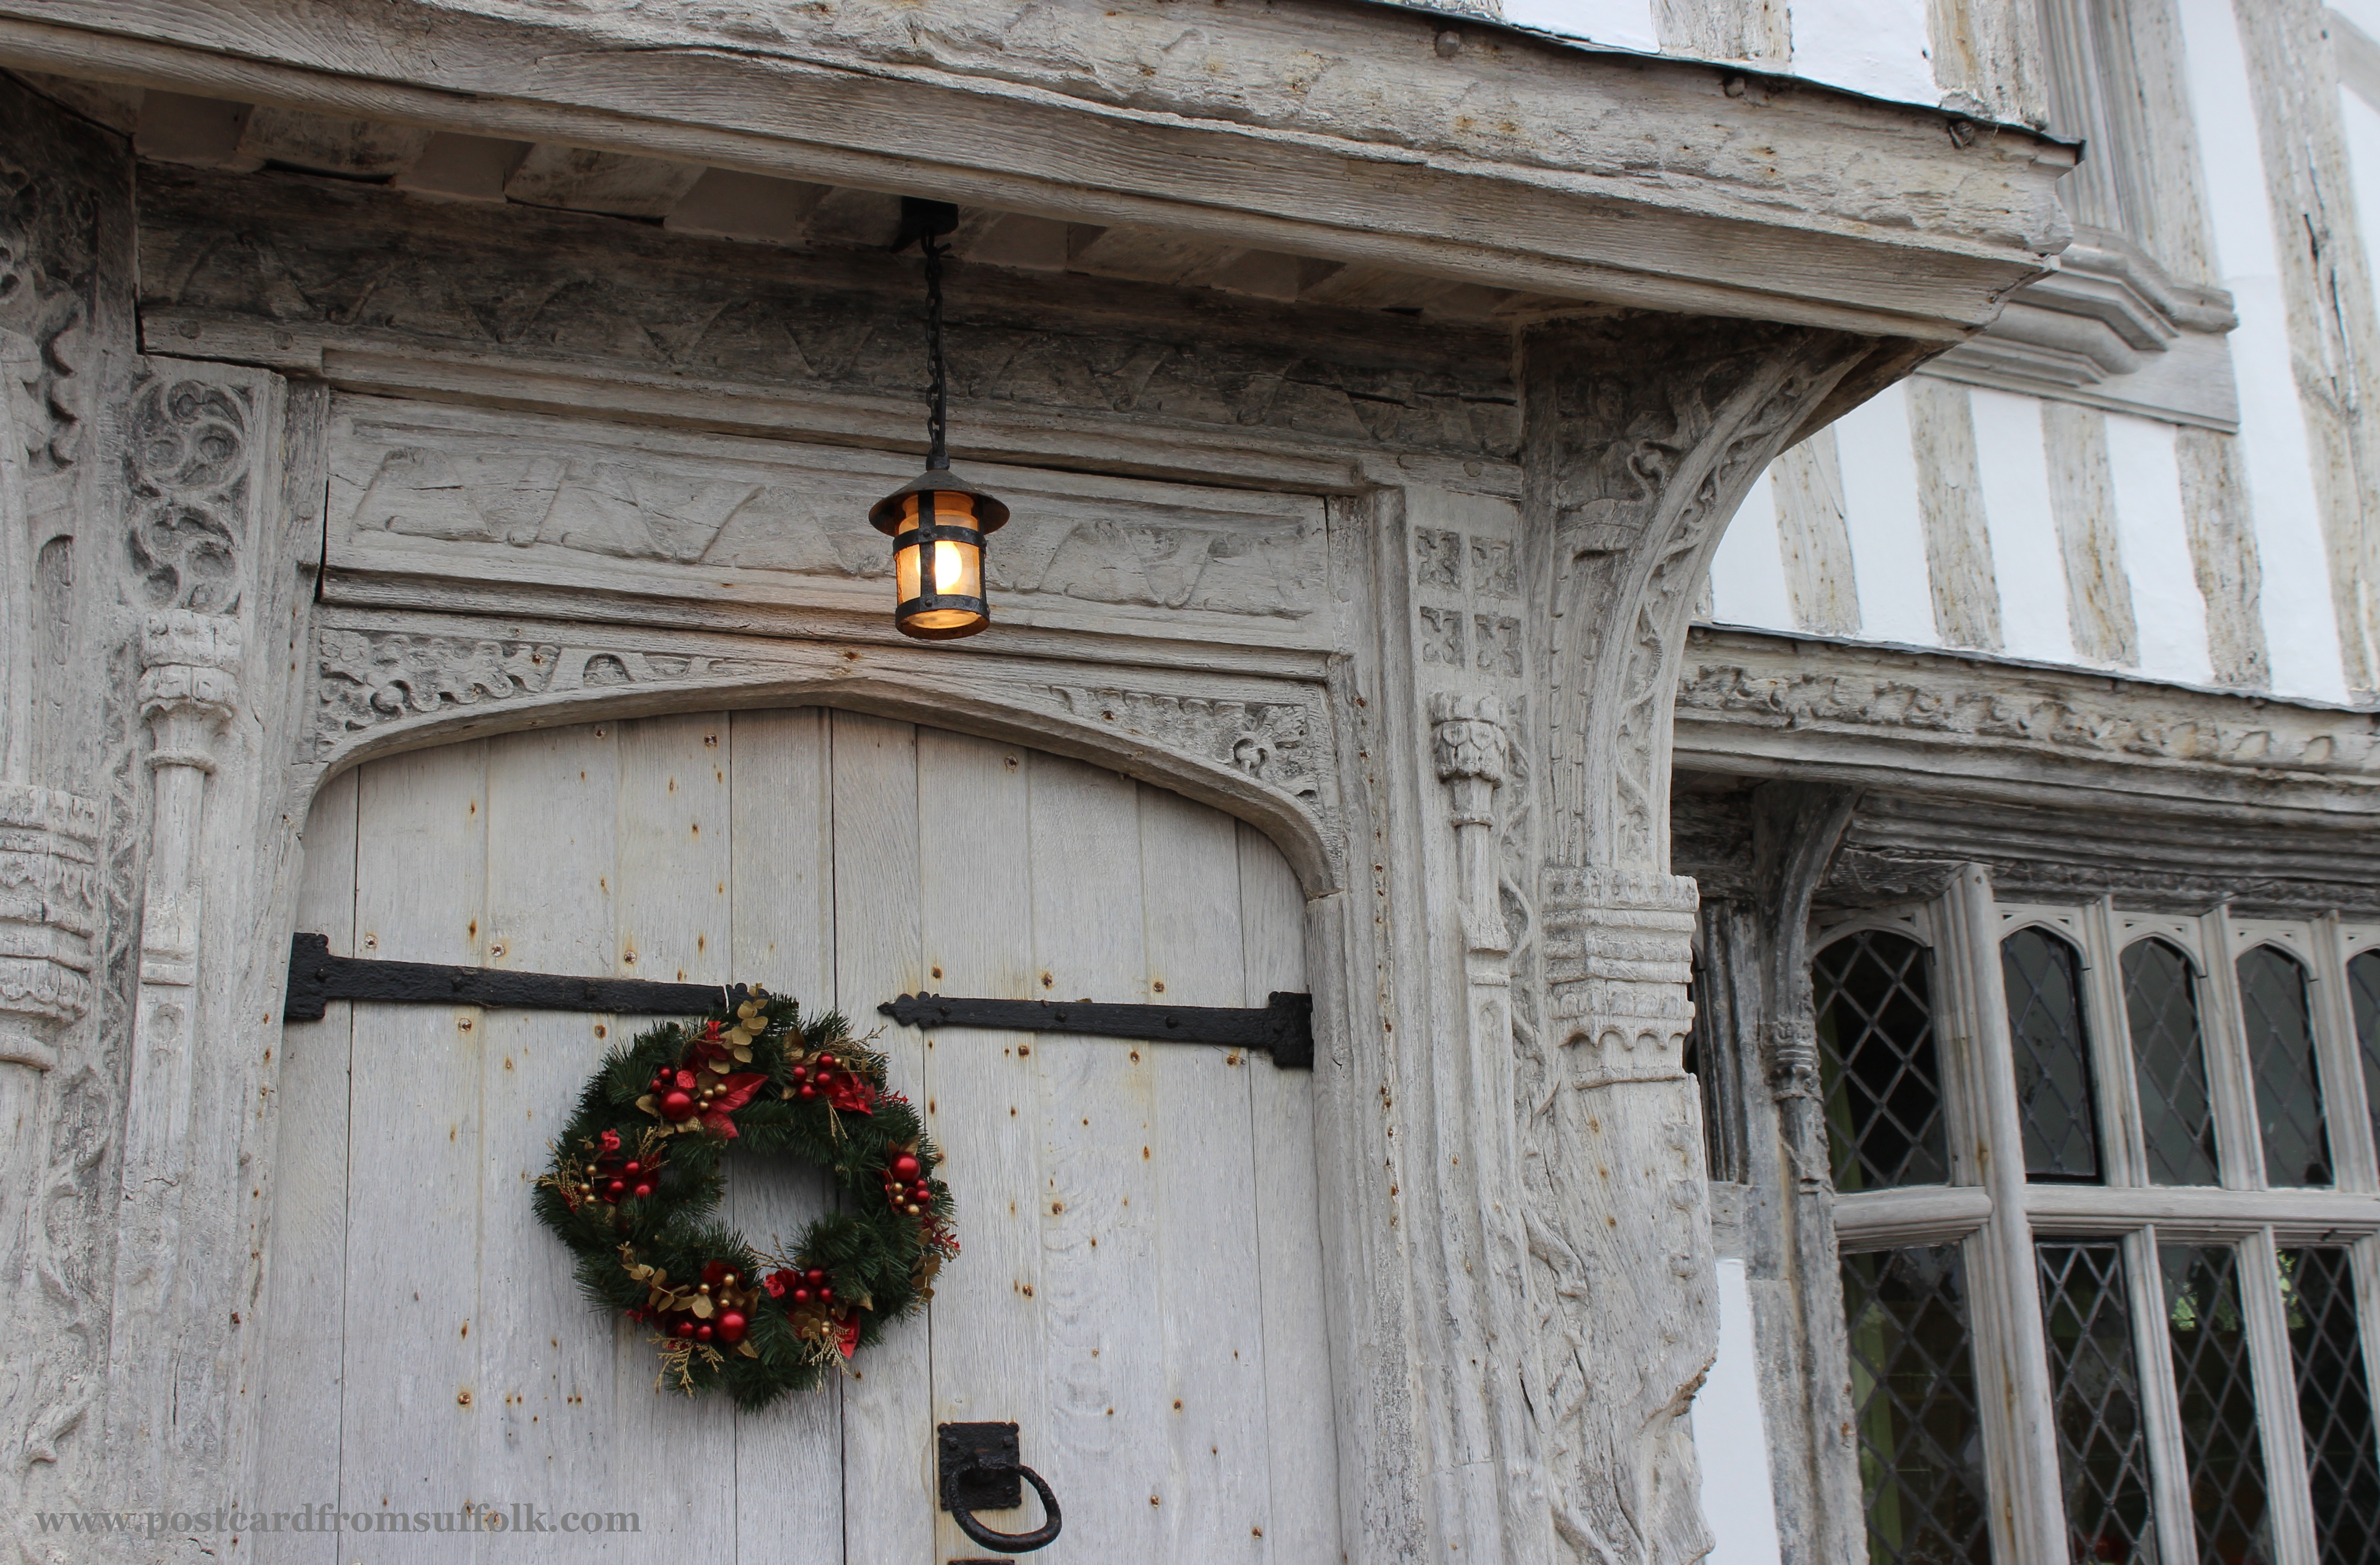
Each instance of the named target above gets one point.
<point>1645,435</point>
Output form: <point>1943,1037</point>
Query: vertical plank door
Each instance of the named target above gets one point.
<point>1139,1288</point>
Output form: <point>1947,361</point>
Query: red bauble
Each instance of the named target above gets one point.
<point>632,1167</point>
<point>702,1333</point>
<point>815,1276</point>
<point>677,1105</point>
<point>731,1325</point>
<point>686,1328</point>
<point>801,1296</point>
<point>643,1190</point>
<point>827,1062</point>
<point>809,1091</point>
<point>826,1295</point>
<point>614,1189</point>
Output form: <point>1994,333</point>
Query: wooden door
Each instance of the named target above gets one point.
<point>1138,1287</point>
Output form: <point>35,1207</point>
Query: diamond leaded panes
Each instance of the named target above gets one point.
<point>2208,1333</point>
<point>1874,995</point>
<point>2044,979</point>
<point>2334,1403</point>
<point>2281,1056</point>
<point>2169,1064</point>
<point>2095,1391</point>
<point>2363,994</point>
<point>1914,1399</point>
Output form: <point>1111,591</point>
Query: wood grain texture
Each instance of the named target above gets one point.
<point>1725,30</point>
<point>304,1347</point>
<point>789,1462</point>
<point>1814,538</point>
<point>2083,504</point>
<point>2223,555</point>
<point>888,1411</point>
<point>410,1380</point>
<point>1958,565</point>
<point>1987,59</point>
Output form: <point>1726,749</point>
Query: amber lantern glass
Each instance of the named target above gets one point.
<point>938,519</point>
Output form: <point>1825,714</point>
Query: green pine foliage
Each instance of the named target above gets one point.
<point>723,1315</point>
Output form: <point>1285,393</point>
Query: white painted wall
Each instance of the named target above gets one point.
<point>1731,1444</point>
<point>2015,467</point>
<point>1880,510</point>
<point>1748,573</point>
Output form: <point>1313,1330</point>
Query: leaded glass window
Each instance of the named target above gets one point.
<point>1877,1054</point>
<point>2281,1056</point>
<point>1914,1399</point>
<point>2094,1386</point>
<point>2363,995</point>
<point>2207,1334</point>
<point>2044,979</point>
<point>2169,1064</point>
<point>2334,1403</point>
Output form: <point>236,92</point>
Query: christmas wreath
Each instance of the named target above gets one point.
<point>635,1181</point>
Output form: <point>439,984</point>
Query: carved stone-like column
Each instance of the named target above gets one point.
<point>1643,433</point>
<point>188,691</point>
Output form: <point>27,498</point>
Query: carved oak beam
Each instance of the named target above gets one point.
<point>1859,214</point>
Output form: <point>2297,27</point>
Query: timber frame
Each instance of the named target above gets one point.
<point>1442,574</point>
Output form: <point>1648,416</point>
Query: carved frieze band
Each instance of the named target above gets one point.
<point>1618,954</point>
<point>368,680</point>
<point>2127,725</point>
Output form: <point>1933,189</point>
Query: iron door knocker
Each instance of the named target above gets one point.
<point>981,1470</point>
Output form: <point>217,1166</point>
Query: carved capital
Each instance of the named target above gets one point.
<point>1618,953</point>
<point>1467,733</point>
<point>49,901</point>
<point>189,683</point>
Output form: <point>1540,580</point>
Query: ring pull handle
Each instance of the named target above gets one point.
<point>1041,1536</point>
<point>979,1470</point>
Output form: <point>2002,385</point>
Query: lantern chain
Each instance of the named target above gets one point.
<point>937,456</point>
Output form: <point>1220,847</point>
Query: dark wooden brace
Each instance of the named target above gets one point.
<point>316,978</point>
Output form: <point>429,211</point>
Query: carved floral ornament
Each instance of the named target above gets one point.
<point>1270,734</point>
<point>2073,722</point>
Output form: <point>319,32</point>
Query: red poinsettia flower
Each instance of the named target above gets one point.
<point>686,1081</point>
<point>780,1283</point>
<point>734,1092</point>
<point>611,1141</point>
<point>851,1093</point>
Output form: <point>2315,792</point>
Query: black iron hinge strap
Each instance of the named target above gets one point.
<point>316,978</point>
<point>1285,1026</point>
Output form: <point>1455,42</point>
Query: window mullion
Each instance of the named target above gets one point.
<point>2012,1356</point>
<point>2290,1502</point>
<point>2223,1035</point>
<point>2123,1156</point>
<point>2352,1155</point>
<point>2161,1400</point>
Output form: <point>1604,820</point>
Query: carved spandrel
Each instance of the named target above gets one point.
<point>512,495</point>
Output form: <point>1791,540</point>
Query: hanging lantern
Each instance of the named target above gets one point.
<point>936,522</point>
